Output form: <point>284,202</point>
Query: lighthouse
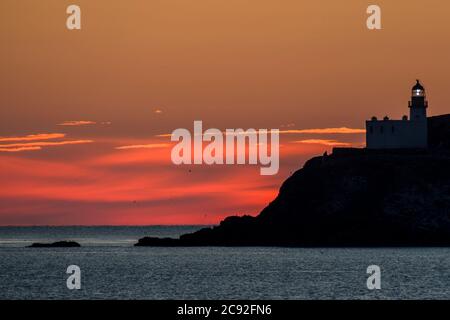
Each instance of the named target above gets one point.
<point>418,104</point>
<point>406,133</point>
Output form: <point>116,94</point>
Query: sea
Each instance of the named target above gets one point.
<point>112,268</point>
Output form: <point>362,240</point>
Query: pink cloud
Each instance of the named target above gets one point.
<point>144,146</point>
<point>18,149</point>
<point>15,147</point>
<point>33,137</point>
<point>325,142</point>
<point>341,130</point>
<point>77,123</point>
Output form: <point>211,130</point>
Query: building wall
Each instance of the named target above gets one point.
<point>392,134</point>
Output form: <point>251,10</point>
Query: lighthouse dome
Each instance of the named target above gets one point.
<point>418,90</point>
<point>418,86</point>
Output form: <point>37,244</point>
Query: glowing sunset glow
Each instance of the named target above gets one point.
<point>86,116</point>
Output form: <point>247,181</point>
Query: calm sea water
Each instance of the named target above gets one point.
<point>113,269</point>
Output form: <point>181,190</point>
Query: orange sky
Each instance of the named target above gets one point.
<point>142,68</point>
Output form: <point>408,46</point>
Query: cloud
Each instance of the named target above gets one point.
<point>44,143</point>
<point>73,123</point>
<point>144,146</point>
<point>34,142</point>
<point>18,149</point>
<point>244,132</point>
<point>325,142</point>
<point>34,137</point>
<point>341,130</point>
<point>29,146</point>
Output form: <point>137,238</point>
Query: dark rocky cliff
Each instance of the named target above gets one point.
<point>350,198</point>
<point>439,132</point>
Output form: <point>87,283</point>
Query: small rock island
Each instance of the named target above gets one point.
<point>58,244</point>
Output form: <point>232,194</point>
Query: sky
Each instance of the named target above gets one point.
<point>85,114</point>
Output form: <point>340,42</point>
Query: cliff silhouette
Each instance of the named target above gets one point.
<point>353,197</point>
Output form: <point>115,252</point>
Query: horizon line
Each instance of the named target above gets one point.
<point>108,225</point>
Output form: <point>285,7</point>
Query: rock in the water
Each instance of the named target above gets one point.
<point>58,244</point>
<point>157,242</point>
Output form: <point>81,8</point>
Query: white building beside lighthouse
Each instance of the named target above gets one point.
<point>405,133</point>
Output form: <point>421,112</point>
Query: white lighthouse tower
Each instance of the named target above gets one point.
<point>418,104</point>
